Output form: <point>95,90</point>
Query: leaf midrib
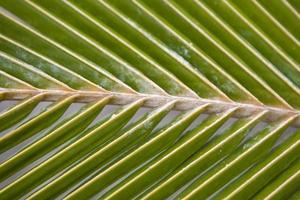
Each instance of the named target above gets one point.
<point>153,100</point>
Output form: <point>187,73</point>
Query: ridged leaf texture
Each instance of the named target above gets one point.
<point>150,99</point>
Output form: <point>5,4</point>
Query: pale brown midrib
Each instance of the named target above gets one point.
<point>183,103</point>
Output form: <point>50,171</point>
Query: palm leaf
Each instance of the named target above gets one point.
<point>160,99</point>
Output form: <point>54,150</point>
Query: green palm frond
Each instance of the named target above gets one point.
<point>149,99</point>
